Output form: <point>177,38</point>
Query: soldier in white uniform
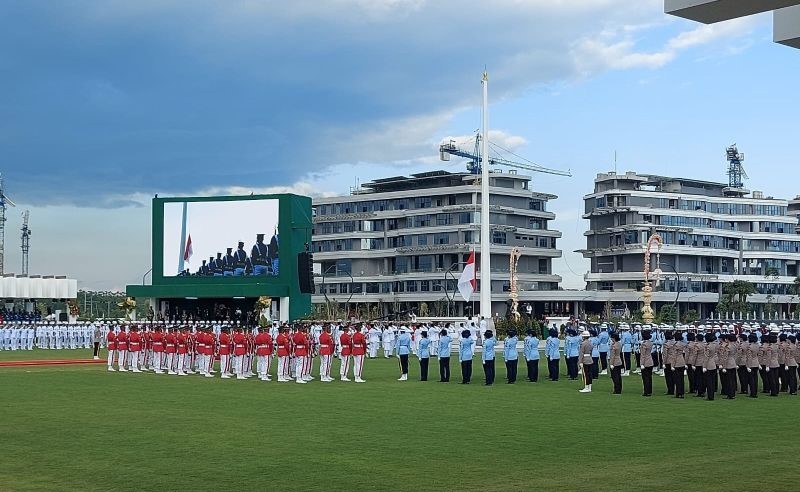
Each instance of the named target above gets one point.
<point>373,341</point>
<point>387,337</point>
<point>14,342</point>
<point>433,335</point>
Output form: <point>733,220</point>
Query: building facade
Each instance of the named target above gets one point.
<point>399,244</point>
<point>712,235</point>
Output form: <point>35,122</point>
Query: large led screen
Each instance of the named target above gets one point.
<point>221,238</point>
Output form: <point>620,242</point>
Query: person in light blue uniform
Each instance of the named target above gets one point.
<point>466,351</point>
<point>487,356</point>
<point>531,351</point>
<point>403,348</point>
<point>572,344</point>
<point>603,346</point>
<point>511,356</point>
<point>658,346</point>
<point>626,340</point>
<point>595,341</point>
<point>445,346</point>
<point>553,354</point>
<point>636,339</point>
<point>423,354</point>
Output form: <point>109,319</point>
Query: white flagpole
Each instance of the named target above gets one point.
<point>486,277</point>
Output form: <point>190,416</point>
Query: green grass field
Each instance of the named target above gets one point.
<point>82,428</point>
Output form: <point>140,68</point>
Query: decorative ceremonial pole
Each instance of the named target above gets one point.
<point>647,290</point>
<point>486,276</point>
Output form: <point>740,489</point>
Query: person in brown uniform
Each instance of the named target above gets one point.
<point>763,362</point>
<point>666,358</point>
<point>741,363</point>
<point>710,365</point>
<point>773,365</point>
<point>691,357</point>
<point>615,362</point>
<point>646,363</point>
<point>585,361</point>
<point>753,364</point>
<point>677,362</point>
<point>791,363</point>
<point>729,367</point>
<point>782,375</point>
<point>699,363</point>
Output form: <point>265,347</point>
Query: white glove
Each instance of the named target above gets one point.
<point>749,370</point>
<point>673,369</point>
<point>612,367</point>
<point>641,368</point>
<point>704,369</point>
<point>719,367</point>
<point>768,369</point>
<point>724,371</point>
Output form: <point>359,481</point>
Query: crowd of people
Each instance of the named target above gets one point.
<point>704,360</point>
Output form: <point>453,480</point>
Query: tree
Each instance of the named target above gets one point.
<point>690,316</point>
<point>667,314</point>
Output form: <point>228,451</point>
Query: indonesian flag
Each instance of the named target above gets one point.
<point>467,282</point>
<point>187,253</point>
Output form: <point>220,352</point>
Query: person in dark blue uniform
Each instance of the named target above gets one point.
<point>274,262</point>
<point>239,260</point>
<point>259,256</point>
<point>228,263</point>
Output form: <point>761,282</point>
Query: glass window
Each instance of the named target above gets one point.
<point>498,237</point>
<point>422,240</point>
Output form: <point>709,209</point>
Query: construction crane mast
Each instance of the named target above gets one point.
<point>26,241</point>
<point>736,172</point>
<point>4,201</point>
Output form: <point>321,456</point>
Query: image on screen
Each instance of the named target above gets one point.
<point>221,238</point>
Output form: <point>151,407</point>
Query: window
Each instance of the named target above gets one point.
<point>465,218</point>
<point>600,202</point>
<point>372,288</point>
<point>543,242</point>
<point>444,219</point>
<point>422,240</point>
<point>422,202</point>
<point>401,264</point>
<point>441,238</point>
<point>344,267</point>
<point>543,266</point>
<point>467,237</point>
<point>411,285</point>
<point>424,263</point>
<point>425,286</point>
<point>607,286</point>
<point>498,237</point>
<point>422,221</point>
<point>536,205</point>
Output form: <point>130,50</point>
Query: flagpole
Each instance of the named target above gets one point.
<point>486,277</point>
<point>182,249</point>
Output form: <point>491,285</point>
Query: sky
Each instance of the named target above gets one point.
<point>107,103</point>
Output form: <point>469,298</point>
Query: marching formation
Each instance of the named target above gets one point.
<point>25,335</point>
<point>704,360</point>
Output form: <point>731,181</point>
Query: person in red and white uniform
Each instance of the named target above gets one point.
<point>264,353</point>
<point>111,344</point>
<point>225,353</point>
<point>359,353</point>
<point>170,349</point>
<point>346,347</point>
<point>181,348</point>
<point>284,348</point>
<point>122,348</point>
<point>146,354</point>
<point>158,350</point>
<point>239,351</point>
<point>326,347</point>
<point>211,344</point>
<point>134,347</point>
<point>301,353</point>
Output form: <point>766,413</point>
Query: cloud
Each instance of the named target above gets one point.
<point>616,49</point>
<point>107,99</point>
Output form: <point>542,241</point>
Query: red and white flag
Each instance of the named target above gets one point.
<point>187,252</point>
<point>467,282</point>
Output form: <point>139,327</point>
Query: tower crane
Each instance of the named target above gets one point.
<point>26,241</point>
<point>4,202</point>
<point>474,166</point>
